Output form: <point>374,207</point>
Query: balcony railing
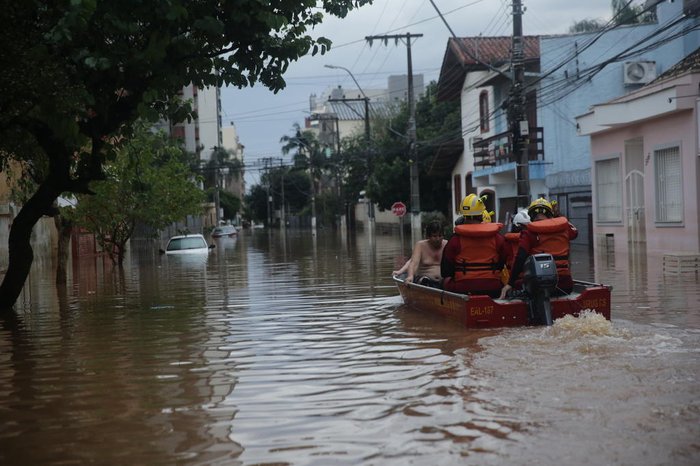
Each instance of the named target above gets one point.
<point>498,149</point>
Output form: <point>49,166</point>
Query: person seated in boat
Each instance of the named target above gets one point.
<point>545,234</point>
<point>475,255</point>
<point>424,265</point>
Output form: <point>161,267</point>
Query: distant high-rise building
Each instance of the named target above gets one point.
<point>202,134</point>
<point>233,183</point>
<point>398,87</point>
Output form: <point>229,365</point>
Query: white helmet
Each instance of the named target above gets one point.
<point>521,218</point>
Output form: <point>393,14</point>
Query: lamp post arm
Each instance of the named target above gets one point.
<point>351,75</point>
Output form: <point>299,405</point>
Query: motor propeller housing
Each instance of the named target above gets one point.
<point>540,273</point>
<point>539,280</point>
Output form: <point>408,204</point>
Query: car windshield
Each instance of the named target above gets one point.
<point>178,244</point>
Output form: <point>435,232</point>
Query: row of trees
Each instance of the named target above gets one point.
<point>380,167</point>
<point>151,181</point>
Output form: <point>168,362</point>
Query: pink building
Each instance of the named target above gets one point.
<point>645,149</point>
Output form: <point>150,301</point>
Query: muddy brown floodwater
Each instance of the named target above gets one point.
<point>293,349</point>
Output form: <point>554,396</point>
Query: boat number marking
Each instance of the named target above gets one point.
<point>481,311</point>
<point>595,303</point>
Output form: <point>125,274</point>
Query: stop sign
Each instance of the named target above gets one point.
<point>398,209</point>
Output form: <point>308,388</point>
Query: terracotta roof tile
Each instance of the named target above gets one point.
<point>470,53</point>
<point>690,63</point>
<point>492,50</point>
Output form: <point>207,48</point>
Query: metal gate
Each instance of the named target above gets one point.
<point>634,192</point>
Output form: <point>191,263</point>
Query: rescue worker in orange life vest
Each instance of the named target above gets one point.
<point>473,258</point>
<point>545,234</point>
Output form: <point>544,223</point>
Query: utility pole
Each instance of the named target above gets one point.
<point>365,99</point>
<point>266,164</point>
<point>366,115</point>
<point>370,206</point>
<point>283,216</point>
<point>519,126</point>
<point>412,149</point>
<point>217,199</point>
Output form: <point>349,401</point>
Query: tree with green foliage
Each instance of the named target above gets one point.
<point>352,166</point>
<point>255,209</point>
<point>381,169</point>
<point>223,163</point>
<point>291,183</point>
<point>308,154</point>
<point>587,25</point>
<point>223,168</point>
<point>437,123</point>
<point>147,183</point>
<point>623,13</point>
<point>626,13</point>
<point>77,74</point>
<point>230,203</point>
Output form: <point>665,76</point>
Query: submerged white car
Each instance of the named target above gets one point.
<point>224,230</point>
<point>188,244</point>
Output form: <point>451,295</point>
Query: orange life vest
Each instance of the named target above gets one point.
<point>553,238</point>
<point>513,240</point>
<point>478,254</point>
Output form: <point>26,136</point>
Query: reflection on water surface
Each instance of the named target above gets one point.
<point>297,350</point>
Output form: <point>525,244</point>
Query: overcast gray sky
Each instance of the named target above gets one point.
<point>262,117</point>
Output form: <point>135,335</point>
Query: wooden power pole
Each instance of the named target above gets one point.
<point>413,152</point>
<point>517,119</point>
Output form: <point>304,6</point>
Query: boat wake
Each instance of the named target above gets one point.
<point>588,322</point>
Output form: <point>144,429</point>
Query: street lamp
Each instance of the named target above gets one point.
<point>333,67</point>
<point>364,96</point>
<point>370,211</point>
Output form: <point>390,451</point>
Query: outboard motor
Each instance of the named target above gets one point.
<point>539,280</point>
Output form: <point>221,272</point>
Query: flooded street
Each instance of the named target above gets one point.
<point>296,350</point>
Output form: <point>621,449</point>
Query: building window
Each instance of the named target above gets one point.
<point>669,192</point>
<point>484,111</point>
<point>457,186</point>
<point>608,190</point>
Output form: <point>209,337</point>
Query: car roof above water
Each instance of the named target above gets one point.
<point>187,244</point>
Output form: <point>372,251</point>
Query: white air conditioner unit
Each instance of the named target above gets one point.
<point>639,72</point>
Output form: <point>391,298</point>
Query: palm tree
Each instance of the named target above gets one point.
<point>308,154</point>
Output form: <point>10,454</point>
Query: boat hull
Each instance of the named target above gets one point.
<point>475,311</point>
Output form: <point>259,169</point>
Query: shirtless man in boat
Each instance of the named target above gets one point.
<point>424,265</point>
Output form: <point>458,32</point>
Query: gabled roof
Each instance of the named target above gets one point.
<point>470,53</point>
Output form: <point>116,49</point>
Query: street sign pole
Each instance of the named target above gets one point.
<point>399,209</point>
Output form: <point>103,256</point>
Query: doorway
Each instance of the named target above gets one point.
<point>634,193</point>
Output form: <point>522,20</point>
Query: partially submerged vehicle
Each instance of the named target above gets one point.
<point>224,230</point>
<point>533,305</point>
<point>187,244</point>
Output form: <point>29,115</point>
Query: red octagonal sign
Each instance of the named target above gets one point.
<point>398,209</point>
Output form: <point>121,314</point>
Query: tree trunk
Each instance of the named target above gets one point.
<point>20,250</point>
<point>121,248</point>
<point>64,227</point>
